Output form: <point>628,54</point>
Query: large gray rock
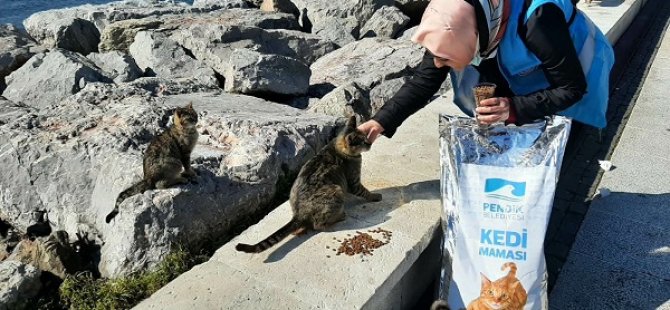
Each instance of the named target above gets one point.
<point>10,110</point>
<point>365,75</point>
<point>337,22</point>
<point>74,34</point>
<point>159,55</point>
<point>285,6</point>
<point>213,44</point>
<point>159,86</point>
<point>221,4</point>
<point>65,27</point>
<point>407,34</point>
<point>15,49</point>
<point>387,22</point>
<point>353,99</point>
<point>251,72</point>
<point>413,8</point>
<point>119,35</point>
<point>72,159</point>
<point>383,92</point>
<point>118,66</point>
<point>53,254</point>
<point>19,285</point>
<point>346,100</point>
<point>367,62</point>
<point>48,78</point>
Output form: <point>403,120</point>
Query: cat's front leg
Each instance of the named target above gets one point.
<point>190,175</point>
<point>360,191</point>
<point>189,172</point>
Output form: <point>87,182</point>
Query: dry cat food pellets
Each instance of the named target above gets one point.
<point>363,243</point>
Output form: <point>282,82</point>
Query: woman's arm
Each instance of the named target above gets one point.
<point>412,96</point>
<point>548,37</point>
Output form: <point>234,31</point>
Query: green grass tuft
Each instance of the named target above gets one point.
<point>82,291</point>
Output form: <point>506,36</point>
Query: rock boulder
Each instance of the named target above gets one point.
<point>158,55</point>
<point>119,35</point>
<point>412,8</point>
<point>251,72</point>
<point>78,28</point>
<point>334,21</point>
<point>48,78</point>
<point>367,62</point>
<point>19,285</point>
<point>72,159</point>
<point>15,49</point>
<point>346,100</point>
<point>387,22</point>
<point>213,44</point>
<point>221,4</point>
<point>118,66</point>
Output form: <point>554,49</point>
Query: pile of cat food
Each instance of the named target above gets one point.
<point>363,242</point>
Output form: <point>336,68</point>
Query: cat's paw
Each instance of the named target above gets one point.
<point>190,175</point>
<point>374,197</point>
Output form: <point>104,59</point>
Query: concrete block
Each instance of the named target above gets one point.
<point>214,285</point>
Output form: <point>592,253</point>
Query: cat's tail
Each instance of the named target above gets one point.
<point>138,188</point>
<point>512,268</point>
<point>273,239</point>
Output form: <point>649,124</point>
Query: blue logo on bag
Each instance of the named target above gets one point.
<point>505,189</point>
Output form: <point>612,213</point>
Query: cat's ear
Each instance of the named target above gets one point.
<point>485,281</point>
<point>350,139</point>
<point>351,122</point>
<point>190,106</point>
<point>176,118</point>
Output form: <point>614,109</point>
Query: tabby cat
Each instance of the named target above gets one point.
<point>317,195</point>
<point>506,293</point>
<point>167,155</point>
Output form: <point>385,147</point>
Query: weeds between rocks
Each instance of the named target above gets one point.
<point>86,291</point>
<point>83,291</point>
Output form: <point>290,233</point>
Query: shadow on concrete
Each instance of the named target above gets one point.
<point>363,215</point>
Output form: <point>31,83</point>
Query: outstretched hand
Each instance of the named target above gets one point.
<point>372,129</point>
<point>493,110</point>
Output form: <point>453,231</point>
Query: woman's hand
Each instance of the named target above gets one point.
<point>493,110</point>
<point>372,129</point>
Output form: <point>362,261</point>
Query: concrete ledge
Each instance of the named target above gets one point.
<point>297,274</point>
<point>612,16</point>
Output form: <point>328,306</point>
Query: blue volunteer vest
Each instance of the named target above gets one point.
<point>523,71</point>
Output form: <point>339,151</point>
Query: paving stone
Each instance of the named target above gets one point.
<point>639,246</point>
<point>588,283</point>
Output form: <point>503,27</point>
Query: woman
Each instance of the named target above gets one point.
<point>545,57</point>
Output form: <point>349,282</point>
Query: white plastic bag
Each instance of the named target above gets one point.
<point>497,189</point>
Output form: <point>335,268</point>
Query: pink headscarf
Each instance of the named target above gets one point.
<point>448,29</point>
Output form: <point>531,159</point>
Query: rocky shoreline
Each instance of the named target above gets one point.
<point>84,90</point>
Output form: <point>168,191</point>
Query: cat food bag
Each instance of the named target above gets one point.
<point>497,187</point>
